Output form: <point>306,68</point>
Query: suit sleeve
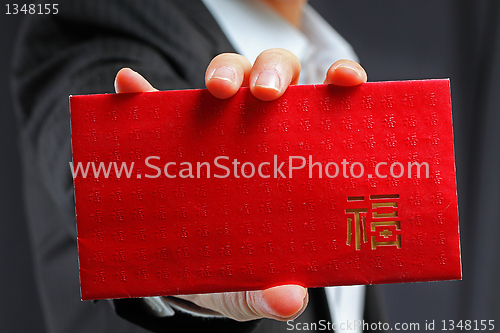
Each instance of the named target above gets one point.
<point>79,51</point>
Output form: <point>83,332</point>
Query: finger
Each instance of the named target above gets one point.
<point>274,70</point>
<point>226,73</point>
<point>129,81</point>
<point>346,73</point>
<point>281,303</point>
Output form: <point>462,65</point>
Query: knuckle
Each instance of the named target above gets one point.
<point>280,58</point>
<point>234,57</point>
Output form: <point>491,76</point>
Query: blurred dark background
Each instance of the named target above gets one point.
<point>19,305</point>
<point>394,40</point>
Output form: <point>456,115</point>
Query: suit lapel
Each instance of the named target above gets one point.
<point>206,23</point>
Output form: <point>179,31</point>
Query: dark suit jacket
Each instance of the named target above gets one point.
<point>79,51</point>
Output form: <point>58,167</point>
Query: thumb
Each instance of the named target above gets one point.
<point>129,81</point>
<point>281,303</point>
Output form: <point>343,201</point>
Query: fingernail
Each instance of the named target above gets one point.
<point>352,69</point>
<point>224,73</point>
<point>268,79</point>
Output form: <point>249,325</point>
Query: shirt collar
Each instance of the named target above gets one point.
<point>326,40</point>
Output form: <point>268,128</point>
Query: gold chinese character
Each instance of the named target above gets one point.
<point>359,226</point>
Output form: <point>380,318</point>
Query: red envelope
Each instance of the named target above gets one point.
<point>179,192</point>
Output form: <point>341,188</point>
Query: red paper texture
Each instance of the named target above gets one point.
<point>145,235</point>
